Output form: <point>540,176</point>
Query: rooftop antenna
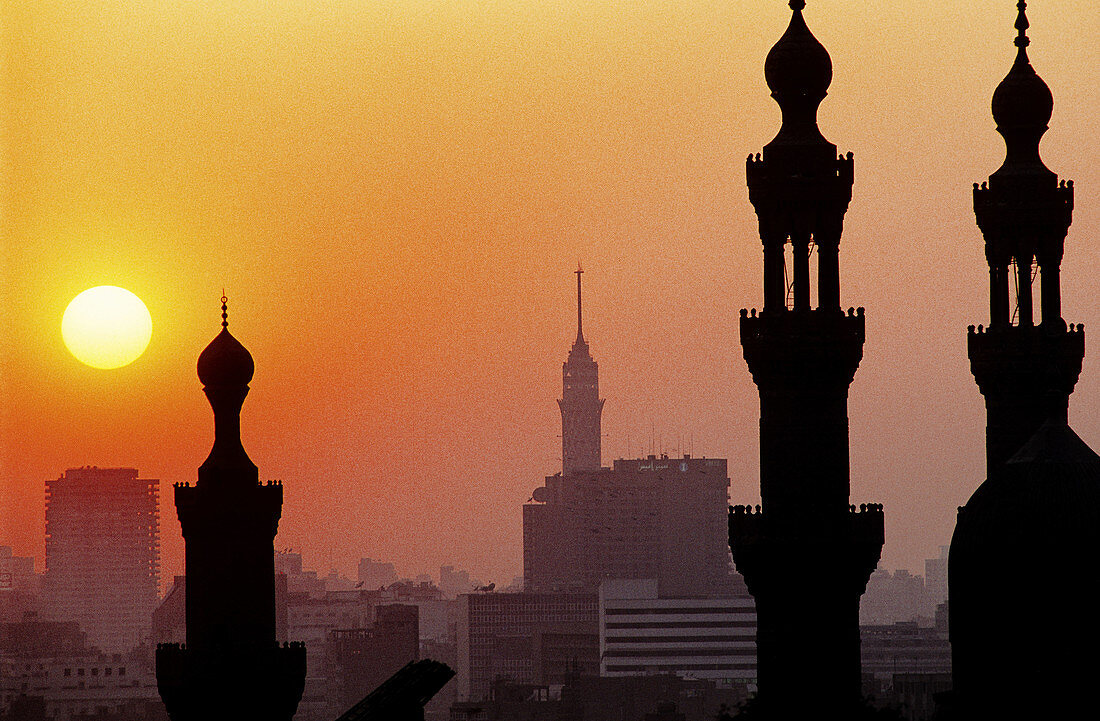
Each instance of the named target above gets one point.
<point>579,271</point>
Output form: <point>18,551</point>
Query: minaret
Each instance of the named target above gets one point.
<point>581,405</point>
<point>1024,536</point>
<point>231,667</point>
<point>806,554</point>
<point>1026,371</point>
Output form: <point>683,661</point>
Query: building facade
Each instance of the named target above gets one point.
<point>655,517</point>
<point>803,359</point>
<point>103,553</point>
<point>644,634</point>
<point>500,635</point>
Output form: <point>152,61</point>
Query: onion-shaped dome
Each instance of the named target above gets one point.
<point>1022,108</point>
<point>225,362</point>
<point>798,66</point>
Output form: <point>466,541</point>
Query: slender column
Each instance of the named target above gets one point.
<point>774,292</point>
<point>801,251</point>
<point>998,295</point>
<point>828,273</point>
<point>1051,294</point>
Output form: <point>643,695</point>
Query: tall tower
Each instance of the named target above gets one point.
<point>1037,515</point>
<point>807,554</point>
<point>232,667</point>
<point>102,553</point>
<point>1025,371</point>
<point>581,405</point>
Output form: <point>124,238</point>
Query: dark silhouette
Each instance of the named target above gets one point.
<point>403,695</point>
<point>807,555</point>
<point>231,667</point>
<point>1026,372</point>
<point>581,405</point>
<point>1026,540</point>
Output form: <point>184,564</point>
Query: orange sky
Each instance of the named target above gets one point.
<point>394,194</point>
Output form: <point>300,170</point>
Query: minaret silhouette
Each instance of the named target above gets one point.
<point>806,555</point>
<point>231,666</point>
<point>1025,371</point>
<point>1023,623</point>
<point>580,404</point>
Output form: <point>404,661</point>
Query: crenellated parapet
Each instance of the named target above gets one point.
<point>817,349</point>
<point>230,682</point>
<point>763,545</point>
<point>1024,217</point>
<point>808,200</point>
<point>230,508</point>
<point>1018,360</point>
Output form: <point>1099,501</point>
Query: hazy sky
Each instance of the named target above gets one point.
<point>394,194</point>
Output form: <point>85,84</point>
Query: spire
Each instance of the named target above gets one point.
<point>225,368</point>
<point>580,333</point>
<point>1022,107</point>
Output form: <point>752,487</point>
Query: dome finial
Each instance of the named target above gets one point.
<point>1022,40</point>
<point>225,310</point>
<point>797,4</point>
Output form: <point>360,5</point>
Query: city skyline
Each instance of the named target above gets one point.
<point>423,384</point>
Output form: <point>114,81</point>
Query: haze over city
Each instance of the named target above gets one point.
<point>394,196</point>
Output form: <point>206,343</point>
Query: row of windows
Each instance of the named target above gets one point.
<point>682,624</point>
<point>107,671</point>
<point>670,652</point>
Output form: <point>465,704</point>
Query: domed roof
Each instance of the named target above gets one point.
<point>798,65</point>
<point>1052,484</point>
<point>225,362</point>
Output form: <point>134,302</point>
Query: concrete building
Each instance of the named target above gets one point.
<point>103,554</point>
<point>507,634</point>
<point>642,634</point>
<point>358,660</point>
<point>655,517</point>
<point>20,591</point>
<point>376,574</point>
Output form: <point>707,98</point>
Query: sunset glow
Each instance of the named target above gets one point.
<point>395,193</point>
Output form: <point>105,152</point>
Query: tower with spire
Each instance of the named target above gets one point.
<point>580,404</point>
<point>806,554</point>
<point>1026,367</point>
<point>231,666</point>
<point>1024,538</point>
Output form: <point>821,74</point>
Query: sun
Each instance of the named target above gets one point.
<point>106,327</point>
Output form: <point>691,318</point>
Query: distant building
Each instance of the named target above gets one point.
<point>376,574</point>
<point>580,404</point>
<point>503,635</point>
<point>893,597</point>
<point>358,660</point>
<point>642,633</point>
<point>19,586</point>
<point>102,553</point>
<point>655,517</point>
<point>935,576</point>
<point>454,582</point>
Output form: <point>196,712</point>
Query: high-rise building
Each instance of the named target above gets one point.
<point>232,666</point>
<point>581,405</point>
<point>1038,511</point>
<point>655,517</point>
<point>516,635</point>
<point>803,359</point>
<point>102,554</point>
<point>376,574</point>
<point>644,634</point>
